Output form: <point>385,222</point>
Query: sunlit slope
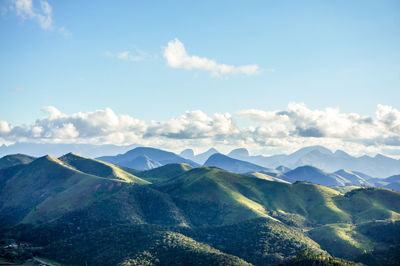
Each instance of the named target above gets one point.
<point>370,204</point>
<point>351,241</point>
<point>227,197</point>
<point>355,178</point>
<point>15,159</point>
<point>267,177</point>
<point>48,188</point>
<point>99,168</point>
<point>32,184</point>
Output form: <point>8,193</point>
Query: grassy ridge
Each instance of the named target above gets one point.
<point>99,168</point>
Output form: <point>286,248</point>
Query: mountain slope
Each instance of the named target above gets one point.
<point>392,182</point>
<point>209,195</point>
<point>325,159</point>
<point>202,157</point>
<point>239,153</point>
<point>188,154</point>
<point>76,210</point>
<point>165,172</point>
<point>144,158</point>
<point>99,168</point>
<point>137,245</point>
<point>15,159</point>
<point>316,176</point>
<point>50,191</point>
<point>267,177</point>
<point>233,165</point>
<point>34,183</point>
<point>355,178</point>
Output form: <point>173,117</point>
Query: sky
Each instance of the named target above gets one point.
<point>272,76</point>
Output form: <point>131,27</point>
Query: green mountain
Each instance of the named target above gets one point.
<point>263,239</point>
<point>77,210</point>
<point>15,159</point>
<point>165,172</point>
<point>221,197</point>
<point>267,177</point>
<point>137,245</point>
<point>99,168</point>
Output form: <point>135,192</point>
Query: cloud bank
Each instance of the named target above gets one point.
<point>177,57</point>
<point>269,131</point>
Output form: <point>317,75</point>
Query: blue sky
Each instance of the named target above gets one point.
<point>340,54</point>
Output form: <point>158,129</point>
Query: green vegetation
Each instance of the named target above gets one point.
<point>15,159</point>
<point>351,241</point>
<point>76,210</point>
<point>267,177</point>
<point>99,168</point>
<point>368,204</point>
<point>387,257</point>
<point>136,245</point>
<point>165,172</point>
<point>310,258</point>
<point>342,240</point>
<point>345,189</point>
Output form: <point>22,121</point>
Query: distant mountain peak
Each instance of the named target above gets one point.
<point>73,154</point>
<point>283,169</point>
<point>15,159</point>
<point>233,165</point>
<point>187,153</point>
<point>144,158</point>
<point>381,156</point>
<point>240,152</point>
<point>47,158</point>
<point>318,148</point>
<point>308,168</point>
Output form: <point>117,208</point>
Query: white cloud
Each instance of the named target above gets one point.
<point>194,125</point>
<point>389,117</point>
<point>129,56</point>
<point>268,131</point>
<point>177,57</point>
<point>43,14</point>
<point>298,120</point>
<point>4,128</point>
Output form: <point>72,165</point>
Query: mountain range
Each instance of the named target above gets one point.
<point>58,149</point>
<point>76,210</point>
<point>379,166</point>
<point>318,156</point>
<point>144,158</point>
<point>323,158</point>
